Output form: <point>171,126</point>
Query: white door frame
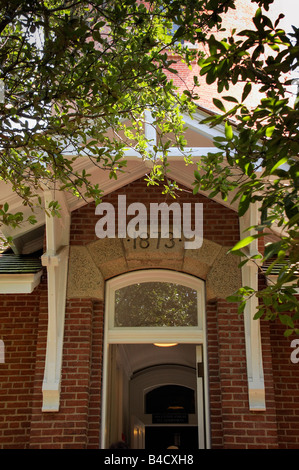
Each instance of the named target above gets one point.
<point>135,335</point>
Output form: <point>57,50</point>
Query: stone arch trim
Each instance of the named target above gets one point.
<point>92,264</point>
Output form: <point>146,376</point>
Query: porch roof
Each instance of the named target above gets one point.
<point>11,263</point>
<point>19,274</point>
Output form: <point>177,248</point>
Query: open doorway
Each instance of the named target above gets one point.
<point>156,397</point>
<point>154,337</point>
<point>172,437</point>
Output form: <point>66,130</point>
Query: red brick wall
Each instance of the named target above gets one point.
<point>240,18</point>
<point>286,387</point>
<point>19,316</point>
<point>221,224</point>
<point>76,425</point>
<point>23,328</point>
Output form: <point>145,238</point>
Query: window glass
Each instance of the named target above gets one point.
<point>155,304</point>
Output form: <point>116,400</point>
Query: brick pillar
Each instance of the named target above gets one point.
<point>242,428</point>
<point>19,315</point>
<point>215,399</point>
<point>286,391</point>
<point>94,415</point>
<point>68,428</point>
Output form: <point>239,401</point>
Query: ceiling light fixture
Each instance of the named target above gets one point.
<point>165,345</point>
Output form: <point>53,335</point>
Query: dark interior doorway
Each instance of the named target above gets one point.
<point>161,437</point>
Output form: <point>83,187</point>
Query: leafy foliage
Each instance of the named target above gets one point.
<point>258,157</point>
<point>74,69</point>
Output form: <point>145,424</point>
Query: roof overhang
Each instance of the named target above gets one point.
<point>19,283</point>
<point>202,143</point>
<point>57,252</point>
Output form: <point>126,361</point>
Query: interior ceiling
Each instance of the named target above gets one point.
<point>141,356</point>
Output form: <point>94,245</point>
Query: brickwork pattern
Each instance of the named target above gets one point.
<point>77,424</point>
<point>221,224</point>
<point>23,328</point>
<point>19,315</point>
<point>233,425</point>
<point>286,387</point>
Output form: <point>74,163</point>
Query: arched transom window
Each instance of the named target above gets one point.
<point>154,303</point>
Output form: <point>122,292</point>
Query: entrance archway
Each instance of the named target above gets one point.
<point>171,407</point>
<point>167,308</point>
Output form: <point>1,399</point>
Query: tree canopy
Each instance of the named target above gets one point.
<point>74,69</point>
<point>259,156</point>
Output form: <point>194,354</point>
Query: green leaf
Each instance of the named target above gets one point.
<point>259,314</point>
<point>228,131</point>
<point>288,332</point>
<point>245,242</point>
<point>244,204</point>
<point>233,298</point>
<point>272,249</point>
<point>246,91</point>
<point>278,164</point>
<point>241,307</point>
<point>269,131</point>
<point>197,175</point>
<point>286,320</point>
<point>245,261</point>
<point>230,98</point>
<point>294,220</point>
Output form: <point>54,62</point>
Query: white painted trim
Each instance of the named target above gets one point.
<point>200,396</point>
<point>173,153</point>
<point>56,261</point>
<point>2,352</point>
<point>57,281</point>
<point>104,389</point>
<point>19,283</point>
<point>154,275</point>
<point>139,335</point>
<point>203,129</point>
<point>255,374</point>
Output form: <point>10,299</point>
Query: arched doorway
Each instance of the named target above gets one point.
<point>171,407</point>
<point>154,337</point>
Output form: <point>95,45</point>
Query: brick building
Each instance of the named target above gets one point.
<point>85,321</point>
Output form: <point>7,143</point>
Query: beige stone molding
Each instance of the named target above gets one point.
<point>91,265</point>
